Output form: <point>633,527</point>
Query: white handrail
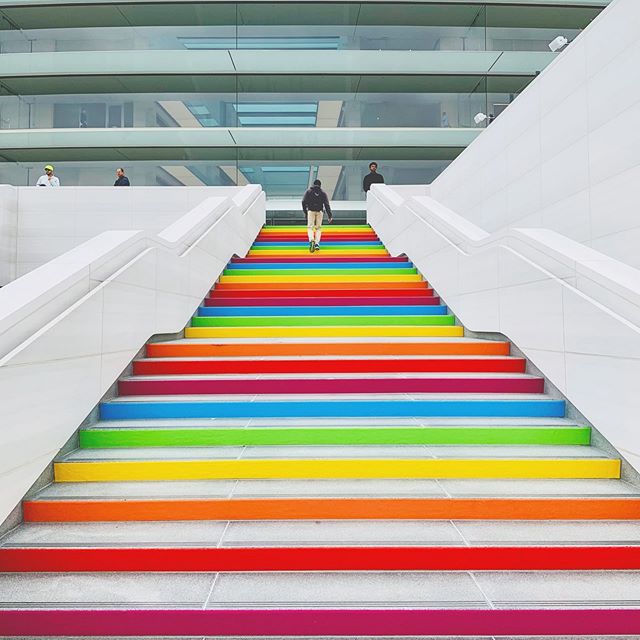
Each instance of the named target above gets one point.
<point>573,311</point>
<point>68,328</point>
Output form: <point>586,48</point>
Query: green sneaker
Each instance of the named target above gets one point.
<point>311,247</point>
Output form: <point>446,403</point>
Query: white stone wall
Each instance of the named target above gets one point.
<point>37,225</point>
<point>566,154</point>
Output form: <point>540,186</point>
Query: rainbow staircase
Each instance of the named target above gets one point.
<point>326,454</point>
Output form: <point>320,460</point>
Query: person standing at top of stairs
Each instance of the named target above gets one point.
<point>373,177</point>
<point>314,203</point>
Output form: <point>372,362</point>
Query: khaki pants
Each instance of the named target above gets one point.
<point>314,226</point>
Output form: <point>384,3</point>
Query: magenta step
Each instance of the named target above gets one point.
<point>316,258</point>
<point>287,622</point>
<point>199,386</point>
<point>328,301</point>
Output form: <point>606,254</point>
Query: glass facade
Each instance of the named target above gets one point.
<point>365,99</point>
<point>342,180</point>
<point>362,26</point>
<point>250,110</point>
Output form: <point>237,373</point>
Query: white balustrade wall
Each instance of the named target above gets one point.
<point>574,312</point>
<point>70,327</point>
<point>8,233</point>
<point>566,154</point>
<point>37,225</point>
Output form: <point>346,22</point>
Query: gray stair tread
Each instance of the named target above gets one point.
<point>334,590</point>
<point>319,452</point>
<point>528,589</point>
<point>290,423</point>
<point>531,532</point>
<point>581,488</point>
<point>299,397</point>
<point>323,533</point>
<point>110,589</point>
<point>338,488</point>
<point>560,589</point>
<point>462,375</point>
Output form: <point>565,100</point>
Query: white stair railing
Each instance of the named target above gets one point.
<point>69,328</point>
<point>573,311</point>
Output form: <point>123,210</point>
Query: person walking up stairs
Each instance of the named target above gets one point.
<point>314,203</point>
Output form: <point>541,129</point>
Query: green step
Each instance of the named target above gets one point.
<point>331,321</point>
<point>161,437</point>
<point>320,272</point>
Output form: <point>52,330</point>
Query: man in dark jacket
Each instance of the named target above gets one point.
<point>121,179</point>
<point>314,203</point>
<point>373,177</point>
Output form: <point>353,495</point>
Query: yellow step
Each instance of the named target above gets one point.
<point>318,469</point>
<point>325,332</point>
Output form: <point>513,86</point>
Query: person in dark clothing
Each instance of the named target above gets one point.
<point>314,204</point>
<point>121,179</point>
<point>373,177</point>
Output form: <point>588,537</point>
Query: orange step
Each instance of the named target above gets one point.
<point>249,350</point>
<point>333,509</point>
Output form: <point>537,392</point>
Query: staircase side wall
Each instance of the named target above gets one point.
<point>564,156</point>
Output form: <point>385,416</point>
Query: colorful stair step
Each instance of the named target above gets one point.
<point>297,559</point>
<point>324,332</point>
<point>131,410</point>
<point>409,290</point>
<point>273,349</point>
<point>324,301</point>
<point>334,508</point>
<point>392,267</point>
<point>341,509</point>
<point>310,279</point>
<point>121,471</point>
<point>300,365</point>
<point>302,229</point>
<point>250,436</point>
<point>324,321</point>
<point>285,622</point>
<point>326,271</point>
<point>360,243</point>
<point>398,310</point>
<point>284,253</point>
<point>303,289</point>
<point>318,259</point>
<point>327,236</point>
<point>309,386</point>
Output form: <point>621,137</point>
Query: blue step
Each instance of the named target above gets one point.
<point>334,409</point>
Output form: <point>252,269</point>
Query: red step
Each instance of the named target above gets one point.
<point>317,258</point>
<point>77,560</point>
<point>218,301</point>
<point>150,367</point>
<point>135,387</point>
<point>315,292</point>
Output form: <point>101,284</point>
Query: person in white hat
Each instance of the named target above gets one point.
<point>48,179</point>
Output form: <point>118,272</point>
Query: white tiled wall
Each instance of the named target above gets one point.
<point>565,155</point>
<point>8,233</point>
<point>37,225</point>
<point>68,329</point>
<point>574,312</point>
